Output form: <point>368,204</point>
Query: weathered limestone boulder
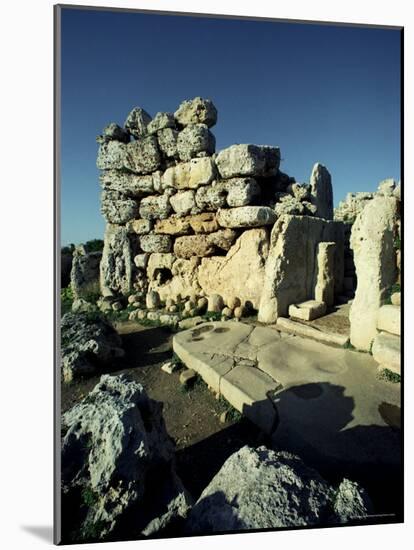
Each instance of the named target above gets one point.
<point>307,311</point>
<point>155,207</point>
<point>173,226</point>
<point>291,265</point>
<point>263,489</point>
<point>87,345</point>
<point>215,303</point>
<point>111,155</point>
<point>246,216</point>
<point>79,305</point>
<point>152,300</point>
<point>195,111</point>
<point>193,245</point>
<point>141,260</point>
<point>242,191</point>
<point>139,227</point>
<point>300,192</point>
<point>190,175</point>
<point>389,319</point>
<point>114,132</point>
<point>117,208</point>
<point>131,185</point>
<point>247,258</point>
<point>158,262</point>
<point>167,141</point>
<point>116,262</point>
<point>205,222</point>
<point>321,189</point>
<point>325,273</point>
<point>372,241</point>
<point>386,350</point>
<point>183,202</point>
<point>84,275</point>
<point>143,156</point>
<point>248,160</point>
<point>224,238</point>
<point>161,121</point>
<point>386,187</point>
<point>211,197</point>
<point>137,122</point>
<point>155,243</point>
<point>195,140</point>
<point>184,280</point>
<point>118,436</point>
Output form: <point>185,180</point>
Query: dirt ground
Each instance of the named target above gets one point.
<point>192,417</point>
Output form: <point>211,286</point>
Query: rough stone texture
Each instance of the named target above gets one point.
<point>325,273</point>
<point>155,207</point>
<point>155,243</point>
<point>291,265</point>
<point>246,216</point>
<point>300,329</point>
<point>111,155</point>
<point>141,260</point>
<point>161,121</point>
<point>321,189</point>
<point>84,275</point>
<point>173,226</point>
<point>289,205</point>
<point>183,202</point>
<point>139,227</point>
<point>114,132</point>
<point>167,141</point>
<point>372,241</point>
<point>242,191</point>
<point>211,197</point>
<point>159,262</point>
<point>184,281</point>
<point>247,258</point>
<point>389,319</point>
<point>386,350</point>
<point>143,156</point>
<point>193,245</point>
<point>263,489</point>
<point>248,160</point>
<point>190,175</point>
<point>307,311</point>
<point>131,185</point>
<point>121,445</point>
<point>224,238</point>
<point>87,345</point>
<point>116,263</point>
<point>386,187</point>
<point>197,110</point>
<point>137,122</point>
<point>215,303</point>
<point>117,208</point>
<point>204,223</point>
<point>195,139</point>
<point>354,203</point>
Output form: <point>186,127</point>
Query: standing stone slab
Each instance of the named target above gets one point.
<point>84,275</point>
<point>116,263</point>
<point>321,189</point>
<point>246,216</point>
<point>291,265</point>
<point>372,241</point>
<point>325,276</point>
<point>195,111</point>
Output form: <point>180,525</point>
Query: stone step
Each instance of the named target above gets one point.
<point>307,311</point>
<point>389,319</point>
<point>386,350</point>
<point>293,327</point>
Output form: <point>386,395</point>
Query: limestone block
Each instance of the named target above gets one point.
<point>114,132</point>
<point>158,261</point>
<point>224,238</point>
<point>325,275</point>
<point>292,327</point>
<point>248,160</point>
<point>372,241</point>
<point>211,197</point>
<point>321,190</point>
<point>155,243</point>
<point>195,139</point>
<point>141,260</point>
<point>139,227</point>
<point>215,303</point>
<point>190,175</point>
<point>291,264</point>
<point>116,263</point>
<point>160,121</point>
<point>167,141</point>
<point>137,122</point>
<point>307,311</point>
<point>183,202</point>
<point>111,155</point>
<point>126,183</point>
<point>117,208</point>
<point>155,207</point>
<point>193,245</point>
<point>152,300</point>
<point>386,350</point>
<point>197,110</point>
<point>143,156</point>
<point>84,274</point>
<point>389,319</point>
<point>246,258</point>
<point>246,216</point>
<point>242,191</point>
<point>203,223</point>
<point>173,226</point>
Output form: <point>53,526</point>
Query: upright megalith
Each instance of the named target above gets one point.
<point>372,241</point>
<point>117,262</point>
<point>84,275</point>
<point>325,273</point>
<point>321,189</point>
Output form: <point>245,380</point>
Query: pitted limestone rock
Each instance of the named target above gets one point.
<point>137,122</point>
<point>194,141</point>
<point>197,110</point>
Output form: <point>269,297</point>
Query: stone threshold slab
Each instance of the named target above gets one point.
<point>293,327</point>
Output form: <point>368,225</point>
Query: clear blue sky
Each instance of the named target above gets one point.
<point>327,94</point>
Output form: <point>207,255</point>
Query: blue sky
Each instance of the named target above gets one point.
<point>327,94</point>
